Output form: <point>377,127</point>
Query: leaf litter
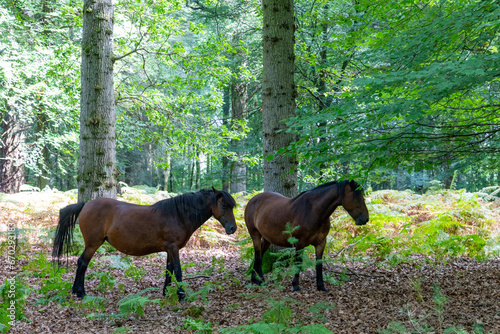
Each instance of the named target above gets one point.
<point>366,295</point>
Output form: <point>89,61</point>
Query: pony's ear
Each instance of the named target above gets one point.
<point>218,194</point>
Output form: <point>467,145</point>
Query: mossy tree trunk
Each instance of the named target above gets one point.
<point>278,101</point>
<point>278,95</point>
<point>97,171</point>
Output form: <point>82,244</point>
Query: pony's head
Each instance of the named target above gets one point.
<point>354,202</point>
<point>222,210</point>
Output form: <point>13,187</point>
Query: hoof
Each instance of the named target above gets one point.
<point>296,289</point>
<point>257,282</point>
<point>322,288</point>
<point>81,295</point>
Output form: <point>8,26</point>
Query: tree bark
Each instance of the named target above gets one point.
<point>12,173</point>
<point>278,95</point>
<point>97,170</point>
<point>43,160</point>
<point>225,160</point>
<point>239,97</point>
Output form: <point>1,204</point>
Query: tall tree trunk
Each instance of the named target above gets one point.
<point>239,97</point>
<point>278,100</point>
<point>43,160</point>
<point>97,170</point>
<point>322,89</point>
<point>225,122</point>
<point>198,170</point>
<point>278,95</point>
<point>166,171</point>
<point>12,173</point>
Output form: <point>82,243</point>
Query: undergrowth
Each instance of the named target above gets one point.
<point>441,224</point>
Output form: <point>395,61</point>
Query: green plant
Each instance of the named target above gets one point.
<point>418,324</point>
<point>14,293</point>
<point>53,287</point>
<point>137,273</point>
<point>280,318</point>
<point>106,280</point>
<point>134,304</point>
<point>337,279</point>
<point>197,325</point>
<point>201,293</point>
<point>93,304</point>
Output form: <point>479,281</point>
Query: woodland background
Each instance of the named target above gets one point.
<point>403,96</point>
<point>396,94</point>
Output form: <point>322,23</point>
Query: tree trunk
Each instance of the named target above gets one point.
<point>239,97</point>
<point>97,170</point>
<point>278,100</point>
<point>12,173</point>
<point>198,171</point>
<point>278,96</point>
<point>43,160</point>
<point>225,122</point>
<point>167,171</point>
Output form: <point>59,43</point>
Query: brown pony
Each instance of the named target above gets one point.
<point>267,215</point>
<point>139,229</point>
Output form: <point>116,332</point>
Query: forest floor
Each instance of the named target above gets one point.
<point>367,302</point>
<point>367,295</point>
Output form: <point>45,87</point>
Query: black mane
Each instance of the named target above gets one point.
<point>358,190</point>
<point>191,206</point>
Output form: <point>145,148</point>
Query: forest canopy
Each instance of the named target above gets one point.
<point>396,94</point>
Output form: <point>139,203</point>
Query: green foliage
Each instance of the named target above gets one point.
<point>379,93</point>
<point>94,304</point>
<point>134,304</point>
<point>106,280</point>
<point>279,316</point>
<point>202,293</point>
<point>135,272</point>
<point>53,287</point>
<point>441,224</point>
<point>14,293</point>
<point>197,325</point>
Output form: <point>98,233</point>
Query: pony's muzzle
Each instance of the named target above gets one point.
<point>362,220</point>
<point>230,228</point>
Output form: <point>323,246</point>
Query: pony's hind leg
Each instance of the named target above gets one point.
<point>81,268</point>
<point>261,245</point>
<point>298,268</point>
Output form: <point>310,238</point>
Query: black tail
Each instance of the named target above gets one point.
<point>64,233</point>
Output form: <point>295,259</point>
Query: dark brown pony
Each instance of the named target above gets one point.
<point>267,215</point>
<point>139,229</point>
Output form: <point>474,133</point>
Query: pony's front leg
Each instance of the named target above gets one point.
<point>168,273</point>
<point>176,268</point>
<point>319,249</point>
